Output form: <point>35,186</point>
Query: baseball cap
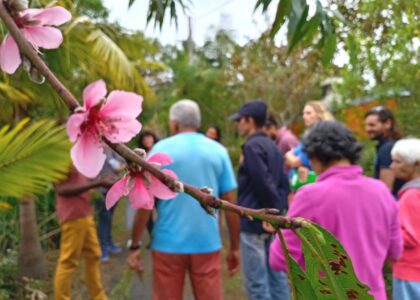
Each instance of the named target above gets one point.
<point>256,109</point>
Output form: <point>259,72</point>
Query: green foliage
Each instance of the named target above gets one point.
<point>8,265</point>
<point>329,270</point>
<point>158,8</point>
<point>31,157</point>
<point>10,288</point>
<point>301,29</point>
<point>222,75</point>
<point>325,255</point>
<point>123,287</point>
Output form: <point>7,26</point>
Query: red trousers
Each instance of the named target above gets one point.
<point>169,274</point>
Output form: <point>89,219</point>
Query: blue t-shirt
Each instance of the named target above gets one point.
<point>299,151</point>
<point>182,225</point>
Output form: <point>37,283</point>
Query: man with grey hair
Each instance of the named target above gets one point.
<point>185,238</point>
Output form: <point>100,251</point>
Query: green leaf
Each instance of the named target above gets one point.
<point>353,50</point>
<point>325,255</point>
<point>301,287</point>
<point>298,7</point>
<point>263,3</point>
<point>299,31</point>
<point>31,157</point>
<point>130,2</point>
<point>283,9</point>
<point>330,45</point>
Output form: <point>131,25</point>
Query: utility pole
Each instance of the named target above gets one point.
<point>190,42</point>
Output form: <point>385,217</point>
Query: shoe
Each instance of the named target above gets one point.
<point>104,257</point>
<point>114,249</point>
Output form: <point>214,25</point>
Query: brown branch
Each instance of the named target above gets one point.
<point>26,48</point>
<point>206,200</point>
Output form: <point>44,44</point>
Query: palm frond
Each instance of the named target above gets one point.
<point>105,47</point>
<point>31,157</point>
<point>14,94</point>
<point>97,50</point>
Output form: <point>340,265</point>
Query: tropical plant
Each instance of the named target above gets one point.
<point>32,156</point>
<point>329,271</point>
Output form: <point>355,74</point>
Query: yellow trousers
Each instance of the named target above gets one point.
<point>78,238</point>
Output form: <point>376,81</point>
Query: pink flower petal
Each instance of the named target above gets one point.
<point>73,125</point>
<point>30,11</point>
<point>139,196</point>
<point>56,16</point>
<point>9,55</point>
<point>160,190</point>
<point>88,155</point>
<point>160,158</point>
<point>94,93</point>
<point>121,131</point>
<point>114,194</point>
<point>122,104</point>
<point>44,37</point>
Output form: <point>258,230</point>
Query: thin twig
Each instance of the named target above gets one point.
<point>205,199</point>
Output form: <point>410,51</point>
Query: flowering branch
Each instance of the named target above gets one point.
<point>207,201</point>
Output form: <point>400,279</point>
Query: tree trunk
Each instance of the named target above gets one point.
<point>31,259</point>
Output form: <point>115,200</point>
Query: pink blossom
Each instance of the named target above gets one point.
<point>141,187</point>
<point>34,25</point>
<point>113,117</point>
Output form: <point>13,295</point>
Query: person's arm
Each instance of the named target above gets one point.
<point>67,188</point>
<point>140,223</point>
<point>232,220</point>
<point>396,241</point>
<point>262,180</point>
<point>291,160</point>
<point>387,176</point>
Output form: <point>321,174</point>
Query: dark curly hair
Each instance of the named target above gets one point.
<point>329,141</point>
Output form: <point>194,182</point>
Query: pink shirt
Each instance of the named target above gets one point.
<point>359,211</point>
<point>70,208</point>
<point>408,267</point>
<point>286,140</point>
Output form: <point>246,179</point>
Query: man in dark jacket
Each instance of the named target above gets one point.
<point>261,184</point>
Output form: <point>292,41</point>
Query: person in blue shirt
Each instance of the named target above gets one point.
<point>262,183</point>
<point>301,172</point>
<point>185,238</point>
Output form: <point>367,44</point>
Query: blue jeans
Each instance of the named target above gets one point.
<point>261,282</point>
<point>104,224</point>
<point>405,290</point>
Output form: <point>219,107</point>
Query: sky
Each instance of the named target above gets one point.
<point>233,15</point>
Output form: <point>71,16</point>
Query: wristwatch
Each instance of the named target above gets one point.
<point>135,247</point>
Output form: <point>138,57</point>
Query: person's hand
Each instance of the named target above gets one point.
<point>268,227</point>
<point>233,261</point>
<point>303,173</point>
<point>134,260</point>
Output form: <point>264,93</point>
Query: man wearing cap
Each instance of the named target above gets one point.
<point>261,184</point>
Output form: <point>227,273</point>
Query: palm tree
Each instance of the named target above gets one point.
<point>31,156</point>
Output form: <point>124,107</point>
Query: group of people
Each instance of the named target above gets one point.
<point>316,177</point>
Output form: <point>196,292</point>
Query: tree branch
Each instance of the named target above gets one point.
<point>206,200</point>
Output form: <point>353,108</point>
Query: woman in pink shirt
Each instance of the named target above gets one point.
<point>406,272</point>
<point>358,210</point>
